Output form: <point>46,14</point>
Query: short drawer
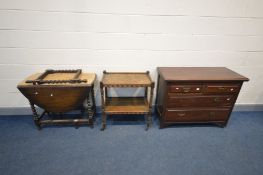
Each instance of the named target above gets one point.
<point>196,115</point>
<point>221,88</point>
<point>174,101</point>
<point>185,88</point>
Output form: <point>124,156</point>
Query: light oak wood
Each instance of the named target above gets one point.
<point>126,79</point>
<point>90,77</point>
<point>126,105</point>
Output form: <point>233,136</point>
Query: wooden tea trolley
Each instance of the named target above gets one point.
<point>126,105</point>
<point>58,92</point>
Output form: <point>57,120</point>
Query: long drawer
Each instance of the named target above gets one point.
<point>198,115</point>
<point>175,101</point>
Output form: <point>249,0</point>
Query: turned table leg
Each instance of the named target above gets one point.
<point>147,122</point>
<point>90,113</point>
<point>35,115</point>
<point>93,99</point>
<point>104,120</point>
<point>104,117</point>
<point>149,115</point>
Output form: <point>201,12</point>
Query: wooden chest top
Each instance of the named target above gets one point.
<point>199,74</point>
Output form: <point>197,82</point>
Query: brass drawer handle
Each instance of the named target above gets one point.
<point>186,89</point>
<point>217,99</point>
<point>212,113</point>
<point>181,114</point>
<point>221,88</point>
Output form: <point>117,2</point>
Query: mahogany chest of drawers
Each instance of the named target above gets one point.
<point>196,94</point>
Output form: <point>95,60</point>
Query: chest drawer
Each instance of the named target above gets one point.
<point>174,88</point>
<point>221,88</point>
<point>174,101</point>
<point>196,115</point>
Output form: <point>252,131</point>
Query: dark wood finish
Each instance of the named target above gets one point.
<point>59,91</point>
<point>196,115</point>
<point>126,105</point>
<point>185,88</point>
<point>200,74</point>
<point>221,88</point>
<point>196,94</point>
<point>56,99</point>
<point>200,101</point>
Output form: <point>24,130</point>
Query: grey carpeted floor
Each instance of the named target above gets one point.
<point>127,149</point>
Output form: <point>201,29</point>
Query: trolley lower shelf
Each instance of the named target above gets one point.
<point>126,105</point>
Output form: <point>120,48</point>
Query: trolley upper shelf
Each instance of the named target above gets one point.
<point>126,79</point>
